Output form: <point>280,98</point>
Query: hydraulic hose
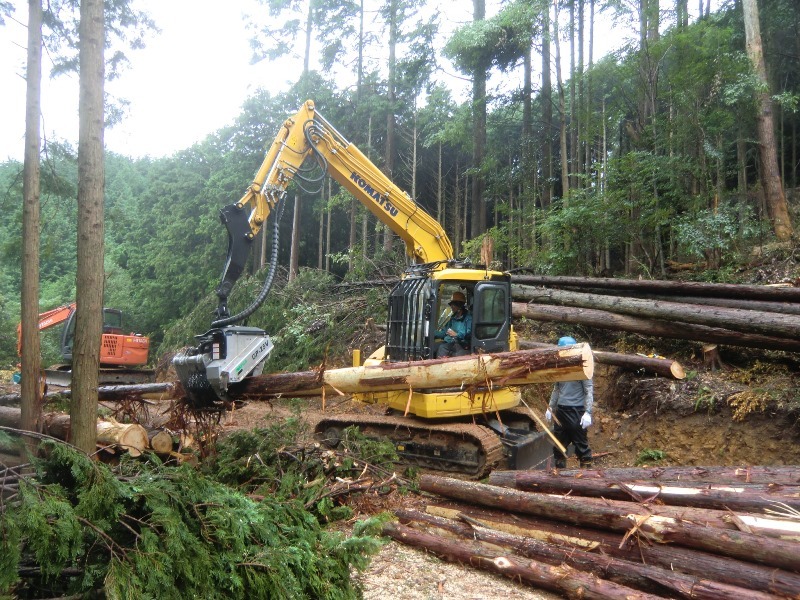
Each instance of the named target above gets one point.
<point>273,267</point>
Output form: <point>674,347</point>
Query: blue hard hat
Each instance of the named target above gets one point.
<point>566,341</point>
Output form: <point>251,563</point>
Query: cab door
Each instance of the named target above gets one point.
<point>491,316</point>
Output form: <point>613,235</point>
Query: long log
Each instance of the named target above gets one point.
<point>736,319</point>
<point>660,366</point>
<point>714,497</point>
<point>603,319</point>
<point>499,369</point>
<point>106,392</point>
<point>632,574</point>
<point>720,475</point>
<point>789,308</point>
<point>688,560</point>
<point>617,515</point>
<point>128,437</point>
<point>678,288</point>
<point>560,579</point>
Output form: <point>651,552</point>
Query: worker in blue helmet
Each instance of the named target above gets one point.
<point>571,402</point>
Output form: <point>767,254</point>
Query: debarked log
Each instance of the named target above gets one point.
<point>720,497</point>
<point>560,579</point>
<point>660,366</point>
<point>747,321</point>
<point>604,319</point>
<point>128,437</point>
<point>618,515</point>
<point>542,365</point>
<point>632,574</point>
<point>688,560</point>
<point>779,475</point>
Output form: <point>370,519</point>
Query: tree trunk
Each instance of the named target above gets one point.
<point>547,112</point>
<point>90,274</point>
<point>499,369</point>
<point>478,217</point>
<point>624,572</point>
<point>680,288</point>
<point>294,250</point>
<point>736,319</point>
<point>614,515</point>
<point>562,111</point>
<point>653,327</point>
<point>561,579</point>
<point>770,175</point>
<point>31,224</point>
<point>674,494</point>
<point>693,562</point>
<point>390,115</point>
<point>660,366</point>
<point>715,475</point>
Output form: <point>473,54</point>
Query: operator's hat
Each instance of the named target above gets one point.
<point>458,298</point>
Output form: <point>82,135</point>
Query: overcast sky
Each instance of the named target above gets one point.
<point>190,80</point>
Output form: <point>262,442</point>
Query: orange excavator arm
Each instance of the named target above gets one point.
<point>48,319</point>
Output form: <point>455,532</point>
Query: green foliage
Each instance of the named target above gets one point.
<point>649,456</point>
<point>161,532</point>
<point>714,230</point>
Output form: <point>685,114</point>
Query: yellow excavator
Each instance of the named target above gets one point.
<point>451,429</point>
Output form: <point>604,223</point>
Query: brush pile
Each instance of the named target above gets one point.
<point>712,533</point>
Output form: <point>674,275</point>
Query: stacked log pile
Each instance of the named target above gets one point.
<point>752,316</point>
<point>715,533</point>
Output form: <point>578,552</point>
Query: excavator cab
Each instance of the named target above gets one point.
<point>116,348</point>
<point>418,307</point>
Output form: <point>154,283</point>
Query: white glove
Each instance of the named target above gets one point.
<point>586,420</point>
<point>548,415</point>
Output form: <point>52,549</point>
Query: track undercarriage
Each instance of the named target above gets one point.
<point>467,448</point>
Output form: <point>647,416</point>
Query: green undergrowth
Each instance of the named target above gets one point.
<point>246,525</point>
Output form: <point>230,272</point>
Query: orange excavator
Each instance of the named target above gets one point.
<point>119,351</point>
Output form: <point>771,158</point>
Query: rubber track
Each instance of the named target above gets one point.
<point>487,441</point>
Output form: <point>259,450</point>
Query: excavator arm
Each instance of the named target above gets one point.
<point>227,354</point>
<point>308,135</point>
<point>47,319</point>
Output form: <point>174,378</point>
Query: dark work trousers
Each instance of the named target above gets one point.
<point>570,432</point>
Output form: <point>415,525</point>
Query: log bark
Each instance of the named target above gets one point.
<point>714,497</point>
<point>736,319</point>
<point>129,437</point>
<point>617,515</point>
<point>660,366</point>
<point>500,369</point>
<point>624,572</point>
<point>677,288</point>
<point>719,475</point>
<point>108,392</point>
<point>603,319</point>
<point>690,561</point>
<point>560,579</point>
<point>789,308</point>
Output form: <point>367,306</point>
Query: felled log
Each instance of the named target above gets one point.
<point>603,319</point>
<point>504,368</point>
<point>560,579</point>
<point>789,475</point>
<point>660,366</point>
<point>159,441</point>
<point>632,574</point>
<point>688,560</point>
<point>106,392</point>
<point>617,515</point>
<point>746,321</point>
<point>715,497</point>
<point>677,288</point>
<point>128,437</point>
